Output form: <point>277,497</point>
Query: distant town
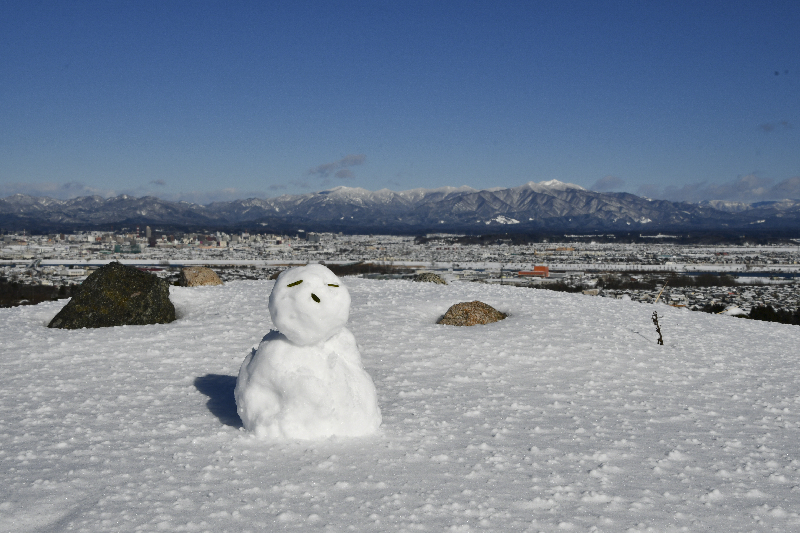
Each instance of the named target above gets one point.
<point>732,279</point>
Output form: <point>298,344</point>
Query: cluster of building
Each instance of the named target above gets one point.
<point>153,244</point>
<point>743,298</point>
<point>147,243</point>
<point>68,259</point>
<point>746,294</point>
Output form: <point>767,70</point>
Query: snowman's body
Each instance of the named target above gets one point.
<point>306,381</point>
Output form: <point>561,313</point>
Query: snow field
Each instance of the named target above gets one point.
<point>565,416</point>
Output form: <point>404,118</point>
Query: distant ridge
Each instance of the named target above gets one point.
<point>544,206</point>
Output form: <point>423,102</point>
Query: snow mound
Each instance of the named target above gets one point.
<point>286,391</point>
<point>306,381</point>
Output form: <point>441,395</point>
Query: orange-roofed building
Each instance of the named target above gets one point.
<point>537,272</point>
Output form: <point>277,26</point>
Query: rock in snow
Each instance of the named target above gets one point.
<point>306,380</point>
<point>430,277</point>
<point>471,314</point>
<point>197,277</point>
<point>117,295</point>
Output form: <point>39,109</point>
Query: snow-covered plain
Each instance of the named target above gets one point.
<point>565,416</point>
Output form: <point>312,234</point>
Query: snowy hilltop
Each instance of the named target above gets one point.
<point>564,416</point>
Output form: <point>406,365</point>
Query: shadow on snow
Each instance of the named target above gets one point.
<point>221,402</point>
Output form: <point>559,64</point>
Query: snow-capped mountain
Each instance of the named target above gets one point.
<point>549,205</point>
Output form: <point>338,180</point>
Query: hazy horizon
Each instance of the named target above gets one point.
<point>205,101</point>
<point>745,190</point>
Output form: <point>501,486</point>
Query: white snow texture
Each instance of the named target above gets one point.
<point>306,381</point>
<point>565,416</point>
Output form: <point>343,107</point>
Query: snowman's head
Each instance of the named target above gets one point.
<point>309,304</point>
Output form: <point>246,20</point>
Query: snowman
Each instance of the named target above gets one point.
<point>306,381</point>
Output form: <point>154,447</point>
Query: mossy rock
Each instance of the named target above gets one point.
<point>117,295</point>
<point>430,277</point>
<point>471,314</point>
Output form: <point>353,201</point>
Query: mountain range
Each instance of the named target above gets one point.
<point>544,206</point>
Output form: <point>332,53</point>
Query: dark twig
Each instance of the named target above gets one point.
<point>658,328</point>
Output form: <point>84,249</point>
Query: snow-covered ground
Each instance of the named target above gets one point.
<point>565,416</point>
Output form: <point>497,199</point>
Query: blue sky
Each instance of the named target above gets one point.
<point>207,101</point>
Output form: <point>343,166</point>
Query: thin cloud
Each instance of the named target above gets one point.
<point>788,188</point>
<point>219,195</point>
<point>749,188</point>
<point>70,190</point>
<point>608,183</point>
<point>58,191</point>
<point>339,169</point>
<point>772,126</point>
<point>649,190</point>
<point>159,183</point>
<point>351,160</point>
<point>345,173</point>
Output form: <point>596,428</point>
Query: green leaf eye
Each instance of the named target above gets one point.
<point>298,282</point>
<point>332,285</point>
